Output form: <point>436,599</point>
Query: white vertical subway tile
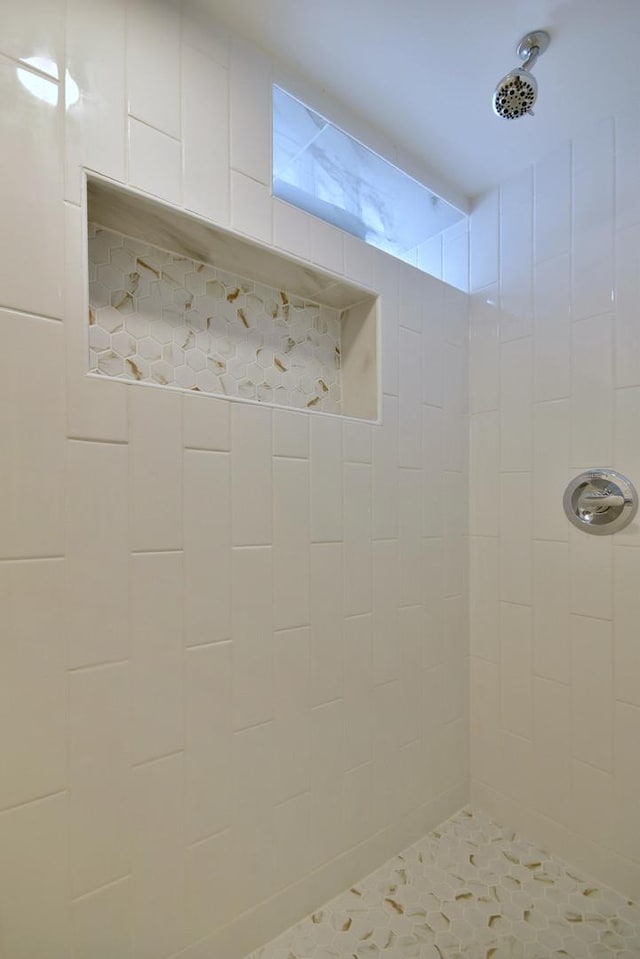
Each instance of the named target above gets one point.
<point>358,700</point>
<point>155,444</point>
<point>32,430</point>
<point>627,151</point>
<point>251,480</point>
<point>515,538</point>
<point>326,479</point>
<point>155,162</point>
<point>484,350</point>
<point>95,116</point>
<point>101,923</point>
<point>209,891</point>
<point>358,802</point>
<point>31,131</point>
<point>205,422</point>
<point>434,580</point>
<point>291,229</point>
<point>516,256</point>
<point>592,391</point>
<point>484,224</point>
<point>97,590</point>
<point>485,710</point>
<point>34,879</point>
<point>153,64</point>
<point>33,681</point>
<point>551,434</point>
<point>326,605</point>
<point>484,499</point>
<point>456,629</point>
<point>432,463</point>
<point>627,779</point>
<point>386,273</point>
<point>254,777</point>
<point>205,135</point>
<point>455,328</point>
<point>410,297</point>
<point>409,408</point>
<point>593,212</point>
<point>552,748</point>
<point>516,414</point>
<point>358,261</point>
<point>516,669</point>
<point>410,638</point>
<point>455,256</point>
<point>37,32</point>
<point>357,438</point>
<point>551,330</point>
<point>96,406</point>
<point>626,611</point>
<point>292,715</point>
<point>410,536</point>
<point>627,291</point>
<point>626,420</point>
<point>432,372</point>
<point>385,471</point>
<point>592,691</point>
<point>290,434</point>
<point>292,832</point>
<point>291,542</point>
<point>202,31</point>
<point>250,89</point>
<point>553,204</point>
<point>456,377</point>
<point>386,600</point>
<point>456,441</point>
<point>157,616</point>
<point>99,776</point>
<point>456,528</point>
<point>551,605</point>
<point>484,605</point>
<point>591,574</point>
<point>207,542</point>
<point>357,538</point>
<point>158,857</point>
<point>208,731</point>
<point>327,246</point>
<point>250,207</point>
<point>593,802</point>
<point>327,768</point>
<point>252,625</point>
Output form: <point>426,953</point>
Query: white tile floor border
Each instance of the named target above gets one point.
<point>469,889</point>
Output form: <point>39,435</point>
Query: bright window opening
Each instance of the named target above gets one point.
<point>321,169</point>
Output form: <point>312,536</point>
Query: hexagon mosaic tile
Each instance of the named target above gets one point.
<point>161,318</point>
<point>468,890</point>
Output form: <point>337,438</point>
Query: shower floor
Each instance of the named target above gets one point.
<point>469,889</point>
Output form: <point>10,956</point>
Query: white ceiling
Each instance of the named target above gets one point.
<point>423,72</point>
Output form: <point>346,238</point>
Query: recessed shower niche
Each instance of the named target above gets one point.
<point>178,302</point>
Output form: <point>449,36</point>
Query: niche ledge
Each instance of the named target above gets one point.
<point>178,302</point>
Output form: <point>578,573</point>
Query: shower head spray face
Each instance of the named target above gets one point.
<point>516,93</point>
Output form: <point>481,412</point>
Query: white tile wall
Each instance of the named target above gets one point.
<point>208,603</point>
<point>556,759</point>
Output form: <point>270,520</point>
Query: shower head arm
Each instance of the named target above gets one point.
<point>531,47</point>
<point>531,58</point>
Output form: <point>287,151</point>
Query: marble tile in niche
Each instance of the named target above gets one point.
<point>163,318</point>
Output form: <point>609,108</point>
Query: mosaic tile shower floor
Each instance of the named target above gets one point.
<point>469,889</point>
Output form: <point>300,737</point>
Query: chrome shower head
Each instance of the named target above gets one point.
<point>516,93</point>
